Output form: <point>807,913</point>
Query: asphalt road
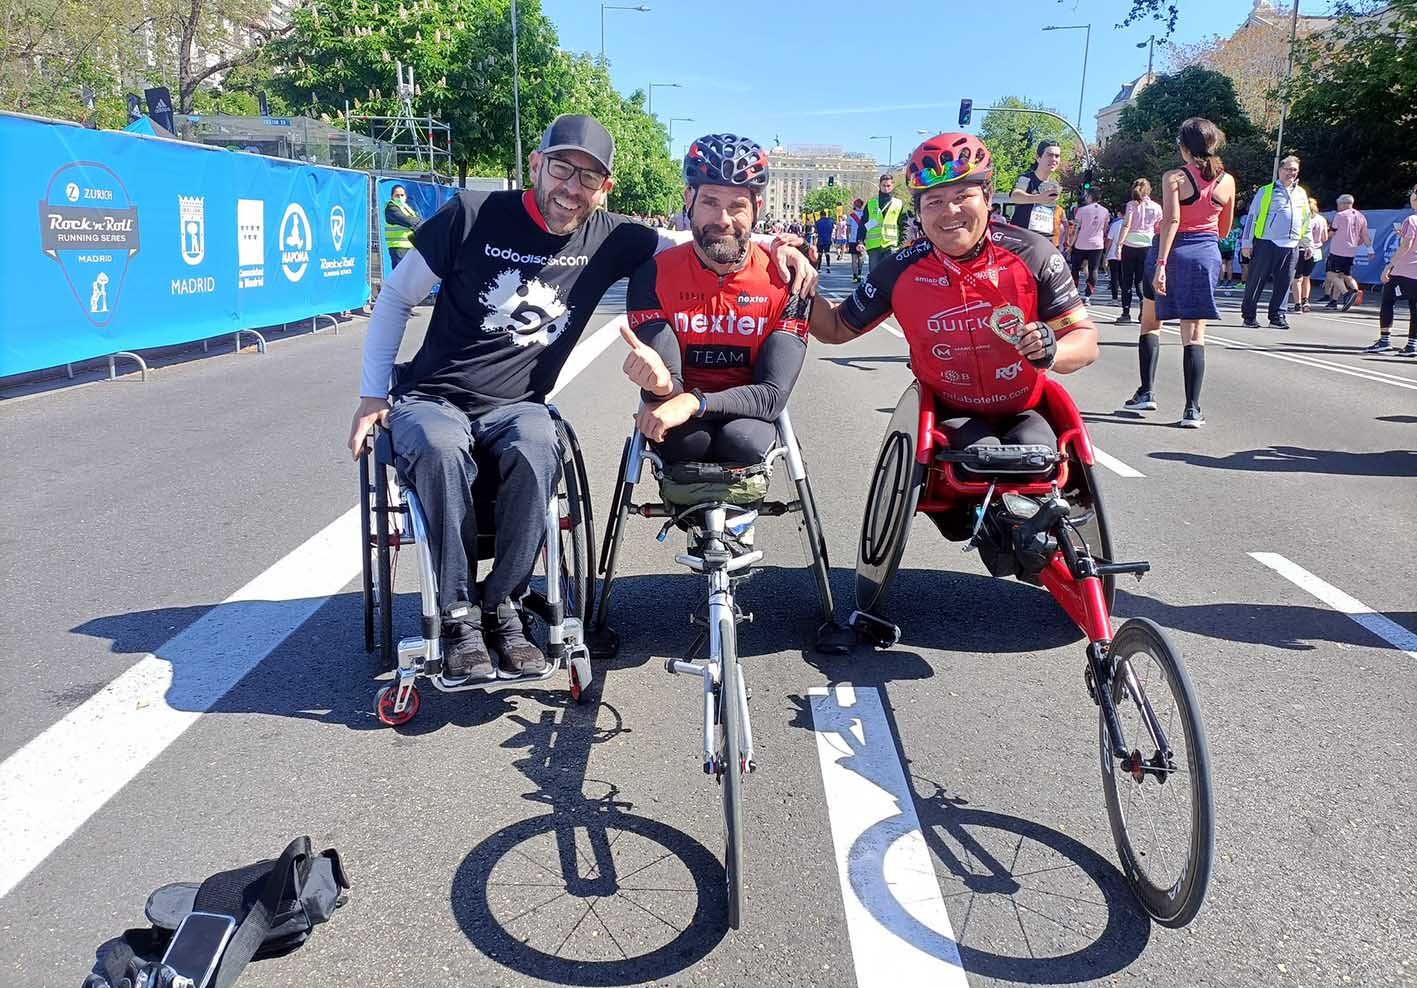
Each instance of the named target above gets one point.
<point>168,586</point>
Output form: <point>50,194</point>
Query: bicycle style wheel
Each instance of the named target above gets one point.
<point>577,528</point>
<point>366,548</point>
<point>385,555</point>
<point>730,748</point>
<point>1159,804</point>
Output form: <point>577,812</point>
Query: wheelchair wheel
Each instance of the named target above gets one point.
<point>730,748</point>
<point>614,529</point>
<point>1090,518</point>
<point>577,528</point>
<point>366,548</point>
<point>1159,802</point>
<point>896,486</point>
<point>816,545</point>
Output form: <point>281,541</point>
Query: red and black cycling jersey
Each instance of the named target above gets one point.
<point>720,321</point>
<point>963,318</point>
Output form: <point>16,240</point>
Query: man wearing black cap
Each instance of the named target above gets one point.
<point>521,274</point>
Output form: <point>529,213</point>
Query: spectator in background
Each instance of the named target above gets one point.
<point>1089,239</point>
<point>1227,254</point>
<point>826,226</point>
<point>1400,273</point>
<point>1279,227</point>
<point>1138,228</point>
<point>1304,270</point>
<point>1035,193</point>
<point>1113,252</point>
<point>400,220</point>
<point>1183,265</point>
<point>854,236</point>
<point>1350,235</point>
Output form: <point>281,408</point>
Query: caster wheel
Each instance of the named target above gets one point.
<point>876,631</point>
<point>384,706</point>
<point>579,668</point>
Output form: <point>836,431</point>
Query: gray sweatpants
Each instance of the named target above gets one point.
<point>435,443</point>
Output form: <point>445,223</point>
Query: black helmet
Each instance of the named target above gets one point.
<point>725,159</point>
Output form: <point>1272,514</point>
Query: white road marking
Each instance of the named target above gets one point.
<point>895,914</point>
<point>67,773</point>
<point>1378,377</point>
<point>1388,630</point>
<point>1115,465</point>
<point>890,328</point>
<point>586,351</point>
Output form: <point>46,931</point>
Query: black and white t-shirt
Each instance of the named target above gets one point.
<point>515,298</point>
<point>1037,217</point>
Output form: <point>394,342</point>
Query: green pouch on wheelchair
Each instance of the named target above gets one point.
<point>686,484</point>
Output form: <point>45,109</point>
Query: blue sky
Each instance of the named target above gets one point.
<point>839,72</point>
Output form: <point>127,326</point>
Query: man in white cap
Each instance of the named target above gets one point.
<point>521,275</point>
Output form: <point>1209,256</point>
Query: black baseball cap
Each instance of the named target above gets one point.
<point>578,132</point>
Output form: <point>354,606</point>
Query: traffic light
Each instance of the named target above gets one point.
<point>966,110</point>
<point>1087,179</point>
<point>831,179</point>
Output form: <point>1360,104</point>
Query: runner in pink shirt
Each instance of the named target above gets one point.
<point>1400,274</point>
<point>1350,233</point>
<point>1089,235</point>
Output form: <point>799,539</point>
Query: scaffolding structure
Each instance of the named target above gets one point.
<point>394,143</point>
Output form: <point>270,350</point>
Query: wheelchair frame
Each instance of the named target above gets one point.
<point>391,523</point>
<point>636,452</point>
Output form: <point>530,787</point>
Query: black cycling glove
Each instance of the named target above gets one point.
<point>1050,347</point>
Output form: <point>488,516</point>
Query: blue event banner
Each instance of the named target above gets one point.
<point>1368,266</point>
<point>425,198</point>
<point>123,242</point>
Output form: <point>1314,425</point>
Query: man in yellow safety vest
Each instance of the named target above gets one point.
<point>880,233</point>
<point>1278,230</point>
<point>400,220</point>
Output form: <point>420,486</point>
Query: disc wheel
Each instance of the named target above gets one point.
<point>896,485</point>
<point>730,731</point>
<point>384,706</point>
<point>1159,804</point>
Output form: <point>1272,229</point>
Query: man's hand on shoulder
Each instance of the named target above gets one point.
<point>370,410</point>
<point>799,272</point>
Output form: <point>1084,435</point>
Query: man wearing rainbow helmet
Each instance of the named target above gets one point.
<point>987,308</point>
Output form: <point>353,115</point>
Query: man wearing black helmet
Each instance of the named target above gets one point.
<point>521,275</point>
<point>719,337</point>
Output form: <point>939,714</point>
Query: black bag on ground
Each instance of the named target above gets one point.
<point>275,904</point>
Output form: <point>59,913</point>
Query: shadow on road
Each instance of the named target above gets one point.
<point>1278,625</point>
<point>587,893</point>
<point>1297,459</point>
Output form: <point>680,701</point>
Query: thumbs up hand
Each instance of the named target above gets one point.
<point>644,366</point>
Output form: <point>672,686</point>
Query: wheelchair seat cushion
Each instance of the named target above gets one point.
<point>686,484</point>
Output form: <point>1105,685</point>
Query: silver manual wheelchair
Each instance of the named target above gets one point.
<point>392,519</point>
<point>715,506</point>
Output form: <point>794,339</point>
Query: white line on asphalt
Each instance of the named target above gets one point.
<point>895,915</point>
<point>1378,377</point>
<point>1388,630</point>
<point>67,773</point>
<point>1115,465</point>
<point>586,351</point>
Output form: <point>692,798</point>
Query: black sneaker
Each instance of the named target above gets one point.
<point>1410,350</point>
<point>1348,298</point>
<point>1142,401</point>
<point>465,655</point>
<point>1331,304</point>
<point>516,654</point>
<point>1124,319</point>
<point>1192,418</point>
<point>1280,323</point>
<point>1250,324</point>
<point>1383,345</point>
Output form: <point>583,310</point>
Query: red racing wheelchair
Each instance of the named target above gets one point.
<point>1036,513</point>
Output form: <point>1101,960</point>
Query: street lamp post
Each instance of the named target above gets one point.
<point>890,148</point>
<point>671,129</point>
<point>1086,48</point>
<point>661,85</point>
<point>611,6</point>
<point>1288,77</point>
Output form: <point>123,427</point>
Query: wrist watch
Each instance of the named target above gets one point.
<point>703,402</point>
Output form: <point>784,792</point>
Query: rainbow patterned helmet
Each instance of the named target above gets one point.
<point>947,158</point>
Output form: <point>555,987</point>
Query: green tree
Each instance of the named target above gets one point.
<point>827,197</point>
<point>1354,117</point>
<point>1146,135</point>
<point>1012,139</point>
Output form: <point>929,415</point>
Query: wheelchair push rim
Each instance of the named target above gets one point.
<point>1160,806</point>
